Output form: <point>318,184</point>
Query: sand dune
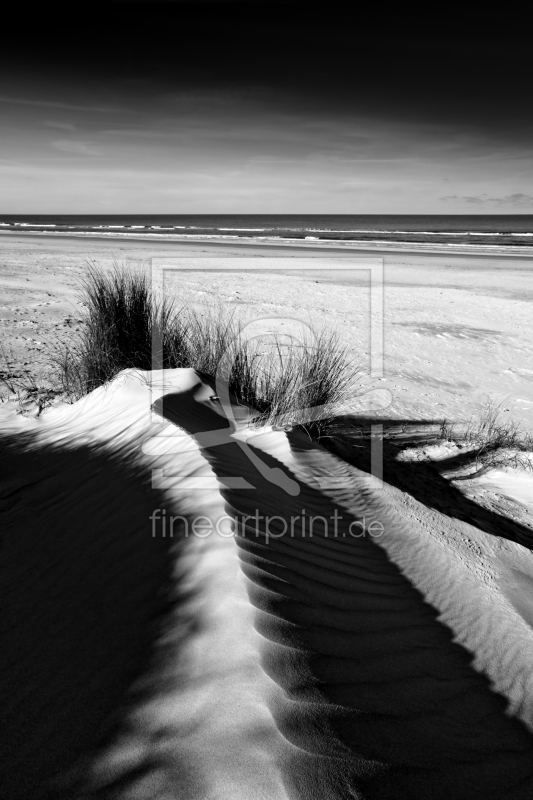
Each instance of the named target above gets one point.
<point>347,629</point>
<point>282,664</point>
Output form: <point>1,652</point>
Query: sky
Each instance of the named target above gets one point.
<point>260,107</point>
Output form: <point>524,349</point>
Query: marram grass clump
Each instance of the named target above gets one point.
<point>128,325</point>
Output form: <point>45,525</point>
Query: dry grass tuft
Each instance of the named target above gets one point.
<point>495,440</point>
<point>298,384</point>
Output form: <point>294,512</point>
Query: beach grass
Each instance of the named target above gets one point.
<point>305,383</point>
<point>301,383</point>
<point>495,440</point>
<point>121,314</point>
<point>28,389</point>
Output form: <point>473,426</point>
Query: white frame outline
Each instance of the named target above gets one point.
<point>376,267</point>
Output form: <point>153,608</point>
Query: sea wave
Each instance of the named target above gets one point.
<point>287,232</point>
<point>383,244</point>
<point>415,233</point>
<point>416,241</point>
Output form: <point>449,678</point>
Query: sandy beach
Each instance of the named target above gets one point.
<point>456,327</point>
<point>149,661</point>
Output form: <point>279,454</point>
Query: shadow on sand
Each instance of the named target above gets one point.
<point>84,590</point>
<point>422,479</point>
<point>355,648</point>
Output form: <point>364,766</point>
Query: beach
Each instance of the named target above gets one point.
<point>456,327</point>
<point>239,652</point>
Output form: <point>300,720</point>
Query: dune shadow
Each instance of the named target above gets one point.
<point>421,479</point>
<point>355,649</point>
<point>85,586</point>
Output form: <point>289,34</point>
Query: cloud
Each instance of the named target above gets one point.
<point>517,199</point>
<point>351,186</point>
<point>251,96</point>
<point>23,101</point>
<point>75,148</point>
<point>62,126</point>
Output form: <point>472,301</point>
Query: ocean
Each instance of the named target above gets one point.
<point>499,231</point>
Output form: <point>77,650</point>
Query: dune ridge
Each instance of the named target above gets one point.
<point>261,665</point>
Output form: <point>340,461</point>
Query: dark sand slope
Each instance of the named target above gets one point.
<point>82,588</point>
<point>83,584</point>
<point>378,699</point>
